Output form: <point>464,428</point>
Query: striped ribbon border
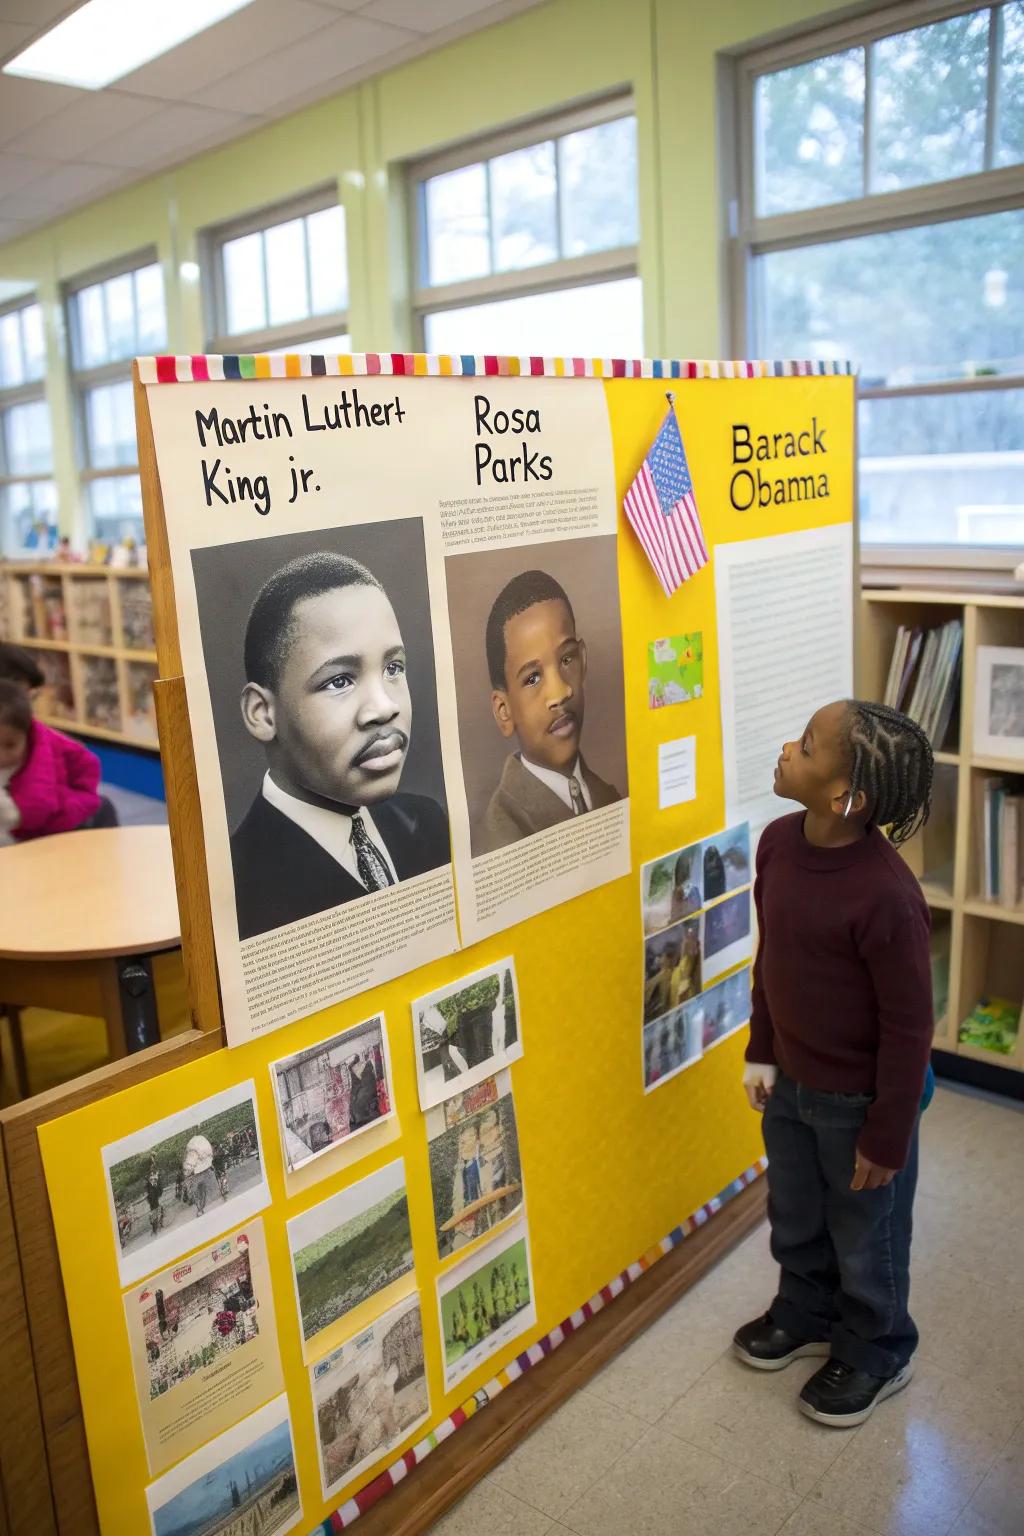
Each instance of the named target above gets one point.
<point>200,369</point>
<point>367,1497</point>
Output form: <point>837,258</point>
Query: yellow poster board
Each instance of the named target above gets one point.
<point>608,1170</point>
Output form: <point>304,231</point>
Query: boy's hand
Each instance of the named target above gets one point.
<point>869,1175</point>
<point>759,1080</point>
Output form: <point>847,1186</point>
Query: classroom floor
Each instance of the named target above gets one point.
<point>676,1438</point>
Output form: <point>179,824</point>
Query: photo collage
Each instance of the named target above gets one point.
<point>188,1199</point>
<point>697,908</point>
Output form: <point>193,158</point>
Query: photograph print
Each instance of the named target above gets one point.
<point>181,1181</point>
<point>999,702</point>
<point>475,1176</point>
<point>726,861</point>
<point>203,1343</point>
<point>671,1043</point>
<point>369,1394</point>
<point>537,644</point>
<point>486,1301</point>
<point>672,968</point>
<point>331,1091</point>
<point>189,1328</point>
<point>240,1484</point>
<point>721,1010</point>
<point>672,888</point>
<point>466,1031</point>
<point>727,937</point>
<point>349,1247</point>
<point>319,656</point>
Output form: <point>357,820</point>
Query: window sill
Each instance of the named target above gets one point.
<point>965,568</point>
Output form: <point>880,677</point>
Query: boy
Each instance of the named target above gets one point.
<point>537,665</point>
<point>328,698</point>
<point>840,1037</point>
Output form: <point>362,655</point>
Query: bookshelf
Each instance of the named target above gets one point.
<point>985,939</point>
<point>90,629</point>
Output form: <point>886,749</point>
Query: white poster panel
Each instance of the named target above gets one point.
<point>301,521</point>
<point>785,648</point>
<point>533,652</point>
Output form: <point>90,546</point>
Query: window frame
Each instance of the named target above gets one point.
<point>270,338</point>
<point>30,392</point>
<point>524,282</point>
<point>750,234</point>
<point>84,379</point>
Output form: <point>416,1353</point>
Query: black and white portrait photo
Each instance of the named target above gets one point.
<point>319,656</point>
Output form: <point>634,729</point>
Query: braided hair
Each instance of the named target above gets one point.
<point>890,759</point>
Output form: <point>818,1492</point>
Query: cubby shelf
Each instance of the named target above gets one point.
<point>986,947</point>
<point>90,629</point>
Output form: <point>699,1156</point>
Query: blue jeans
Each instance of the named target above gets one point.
<point>844,1254</point>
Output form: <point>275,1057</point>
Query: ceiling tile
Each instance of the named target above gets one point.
<point>346,45</point>
<point>167,132</point>
<point>26,102</point>
<point>37,14</point>
<point>259,29</point>
<point>23,205</point>
<point>94,119</point>
<point>424,18</point>
<point>18,171</point>
<point>72,183</point>
<point>14,38</point>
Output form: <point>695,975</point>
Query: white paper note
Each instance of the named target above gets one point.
<point>785,647</point>
<point>677,771</point>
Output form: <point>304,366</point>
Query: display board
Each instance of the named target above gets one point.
<point>484,1048</point>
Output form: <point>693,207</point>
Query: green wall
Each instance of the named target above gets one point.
<point>666,51</point>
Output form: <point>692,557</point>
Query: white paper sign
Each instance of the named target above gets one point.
<point>677,772</point>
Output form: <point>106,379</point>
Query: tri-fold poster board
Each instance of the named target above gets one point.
<point>480,807</point>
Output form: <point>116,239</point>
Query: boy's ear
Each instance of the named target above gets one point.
<point>258,712</point>
<point>583,655</point>
<point>502,712</point>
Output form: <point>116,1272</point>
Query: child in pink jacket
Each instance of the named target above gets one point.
<point>47,781</point>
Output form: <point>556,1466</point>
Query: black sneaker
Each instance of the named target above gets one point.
<point>839,1396</point>
<point>767,1347</point>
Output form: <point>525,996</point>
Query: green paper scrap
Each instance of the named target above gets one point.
<point>675,670</point>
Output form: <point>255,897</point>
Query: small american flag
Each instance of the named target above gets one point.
<point>662,509</point>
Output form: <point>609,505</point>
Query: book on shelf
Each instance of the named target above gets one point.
<point>993,1024</point>
<point>924,676</point>
<point>1001,840</point>
<point>940,945</point>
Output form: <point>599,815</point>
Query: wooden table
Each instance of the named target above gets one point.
<point>80,914</point>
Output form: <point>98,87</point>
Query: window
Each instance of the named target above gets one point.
<point>112,318</point>
<point>28,497</point>
<point>279,280</point>
<point>881,219</point>
<point>528,244</point>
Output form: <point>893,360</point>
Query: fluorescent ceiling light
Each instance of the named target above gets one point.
<point>105,39</point>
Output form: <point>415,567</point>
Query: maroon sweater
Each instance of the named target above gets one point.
<point>842,983</point>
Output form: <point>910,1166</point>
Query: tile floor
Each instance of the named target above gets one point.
<point>676,1438</point>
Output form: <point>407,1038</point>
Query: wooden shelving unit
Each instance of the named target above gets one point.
<point>90,628</point>
<point>986,949</point>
